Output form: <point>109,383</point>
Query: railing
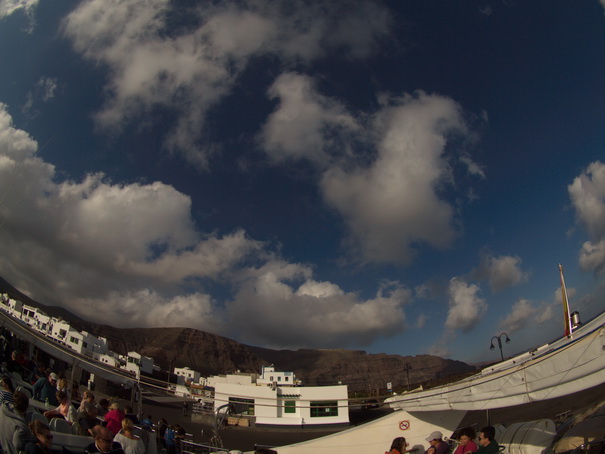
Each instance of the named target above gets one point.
<point>190,447</point>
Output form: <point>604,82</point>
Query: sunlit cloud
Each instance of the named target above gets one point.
<point>190,72</point>
<point>134,250</point>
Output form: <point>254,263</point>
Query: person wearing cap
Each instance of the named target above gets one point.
<point>437,445</point>
<point>46,388</point>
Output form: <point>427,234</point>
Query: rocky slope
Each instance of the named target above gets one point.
<point>212,354</point>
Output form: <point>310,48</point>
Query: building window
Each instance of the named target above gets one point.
<point>287,378</point>
<point>62,333</point>
<point>278,378</point>
<point>73,340</point>
<point>324,408</point>
<point>290,406</point>
<point>243,406</point>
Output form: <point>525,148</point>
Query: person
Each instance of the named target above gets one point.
<point>87,396</point>
<point>437,445</point>
<point>170,438</point>
<point>103,407</point>
<point>467,441</point>
<point>131,444</point>
<point>62,385</point>
<point>103,443</point>
<point>65,410</point>
<point>43,441</point>
<point>398,446</point>
<point>39,372</point>
<point>147,423</point>
<point>87,418</point>
<point>6,390</point>
<point>130,414</point>
<point>185,408</point>
<point>161,433</point>
<point>487,442</point>
<point>114,418</point>
<point>46,388</point>
<point>14,432</point>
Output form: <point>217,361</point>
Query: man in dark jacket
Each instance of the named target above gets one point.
<point>46,388</point>
<point>487,444</point>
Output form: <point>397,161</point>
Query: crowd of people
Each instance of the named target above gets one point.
<point>466,443</point>
<point>23,429</point>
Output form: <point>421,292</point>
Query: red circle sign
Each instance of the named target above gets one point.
<point>404,425</point>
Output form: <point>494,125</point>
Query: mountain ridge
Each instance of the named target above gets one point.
<point>212,354</point>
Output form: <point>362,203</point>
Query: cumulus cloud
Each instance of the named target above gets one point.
<point>587,193</point>
<point>389,198</point>
<point>592,257</point>
<point>134,250</point>
<point>8,7</point>
<point>299,126</point>
<point>272,308</point>
<point>521,314</point>
<point>189,72</point>
<point>466,307</point>
<point>500,271</point>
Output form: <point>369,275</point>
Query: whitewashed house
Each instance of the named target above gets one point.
<point>136,363</point>
<point>186,375</point>
<point>60,330</point>
<point>270,377</point>
<point>233,379</point>
<point>110,358</point>
<point>303,406</point>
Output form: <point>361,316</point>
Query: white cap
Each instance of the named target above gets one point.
<point>53,376</point>
<point>434,436</point>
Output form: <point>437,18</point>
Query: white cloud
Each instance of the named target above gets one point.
<point>190,72</point>
<point>521,314</point>
<point>272,308</point>
<point>298,127</point>
<point>389,197</point>
<point>134,251</point>
<point>501,271</point>
<point>8,7</point>
<point>466,308</point>
<point>592,257</point>
<point>392,205</point>
<point>587,193</point>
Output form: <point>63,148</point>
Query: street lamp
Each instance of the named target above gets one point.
<point>499,339</point>
<point>407,367</point>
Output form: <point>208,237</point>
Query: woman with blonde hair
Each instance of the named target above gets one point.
<point>114,418</point>
<point>131,444</point>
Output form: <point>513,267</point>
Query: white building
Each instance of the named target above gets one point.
<point>270,377</point>
<point>186,375</point>
<point>60,330</point>
<point>109,358</point>
<point>137,363</point>
<point>232,379</point>
<point>302,406</point>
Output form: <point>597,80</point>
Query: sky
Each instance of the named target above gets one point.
<point>398,177</point>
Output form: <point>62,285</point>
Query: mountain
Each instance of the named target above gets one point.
<point>212,354</point>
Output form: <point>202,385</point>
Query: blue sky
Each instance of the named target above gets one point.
<point>398,176</point>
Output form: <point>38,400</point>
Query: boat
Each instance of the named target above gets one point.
<point>573,363</point>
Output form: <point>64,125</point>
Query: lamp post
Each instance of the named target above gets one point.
<point>407,367</point>
<point>499,339</point>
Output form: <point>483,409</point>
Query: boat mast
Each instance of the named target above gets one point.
<point>566,313</point>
